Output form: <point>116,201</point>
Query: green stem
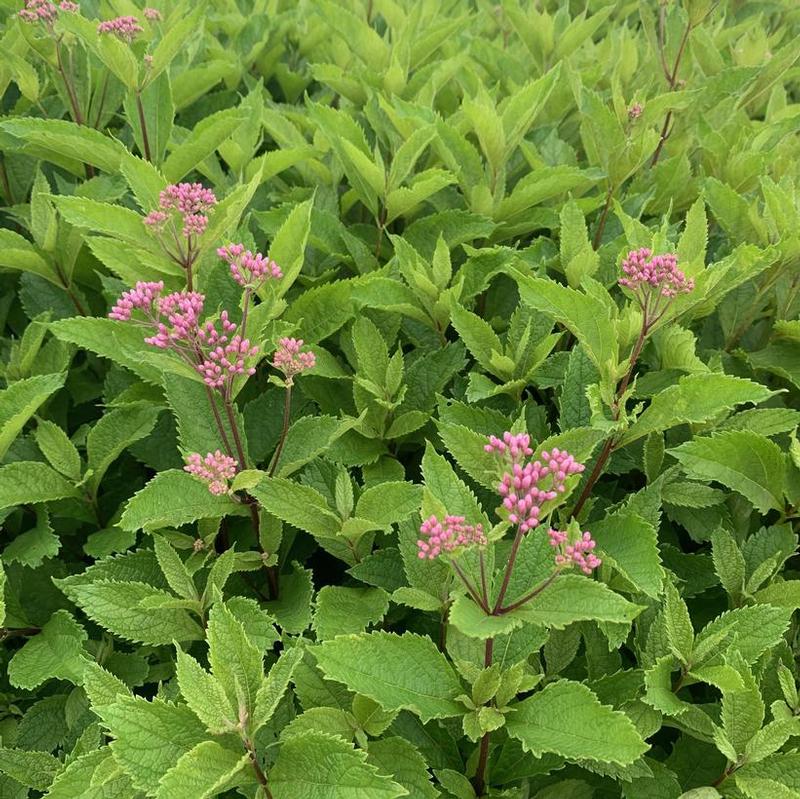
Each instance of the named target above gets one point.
<point>601,225</point>
<point>479,781</point>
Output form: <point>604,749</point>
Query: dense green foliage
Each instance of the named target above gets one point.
<point>449,188</point>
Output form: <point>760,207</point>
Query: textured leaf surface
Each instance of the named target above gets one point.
<point>566,718</point>
<point>315,766</point>
<point>374,664</point>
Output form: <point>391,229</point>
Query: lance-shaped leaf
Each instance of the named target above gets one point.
<point>203,772</point>
<point>19,402</point>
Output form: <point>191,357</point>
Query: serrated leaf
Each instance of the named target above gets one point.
<point>318,766</point>
<point>54,653</point>
<point>32,769</point>
<point>173,498</point>
<point>116,606</point>
<point>202,772</point>
<point>389,502</point>
<point>205,695</point>
<point>748,463</point>
<point>566,718</point>
<point>373,664</point>
<point>150,737</point>
<point>341,610</point>
<point>29,482</point>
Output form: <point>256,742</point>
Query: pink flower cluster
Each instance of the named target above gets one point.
<point>141,297</point>
<point>579,553</point>
<point>528,486</point>
<point>153,14</point>
<point>45,11</point>
<point>646,274</point>
<point>215,469</point>
<point>124,28</point>
<point>290,360</point>
<point>635,111</point>
<point>217,354</point>
<point>447,536</point>
<point>512,447</point>
<point>249,269</point>
<point>191,201</point>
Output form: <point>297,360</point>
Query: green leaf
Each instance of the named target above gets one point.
<point>477,334</point>
<point>173,498</point>
<point>58,449</point>
<point>678,625</point>
<point>577,598</point>
<point>93,775</point>
<point>17,252</point>
<point>742,712</point>
<point>375,664</point>
<point>341,610</point>
<point>473,622</point>
<point>399,758</point>
<point>55,653</point>
<point>448,489</point>
<point>117,606</point>
<point>586,317</point>
<point>32,769</point>
<point>275,685</point>
<point>630,544</point>
<point>566,718</point>
<point>29,482</point>
<point>20,401</point>
<point>288,248</point>
<point>299,505</point>
<point>318,766</point>
<point>234,659</point>
<point>47,137</point>
<point>175,37</point>
<point>389,502</point>
<point>114,432</point>
<point>746,462</point>
<point>728,562</point>
<point>150,737</point>
<point>203,140</point>
<point>203,772</point>
<point>174,569</point>
<point>205,695</point>
<point>695,399</point>
<point>112,220</point>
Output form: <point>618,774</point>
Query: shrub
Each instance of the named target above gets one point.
<point>400,399</point>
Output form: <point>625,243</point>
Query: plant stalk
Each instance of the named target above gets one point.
<point>143,125</point>
<point>287,410</point>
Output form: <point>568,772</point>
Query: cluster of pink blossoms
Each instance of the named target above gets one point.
<point>125,28</point>
<point>249,270</point>
<point>647,275</point>
<point>579,553</point>
<point>153,14</point>
<point>447,536</point>
<point>529,485</point>
<point>291,360</point>
<point>215,469</point>
<point>191,202</point>
<point>45,11</point>
<point>218,355</point>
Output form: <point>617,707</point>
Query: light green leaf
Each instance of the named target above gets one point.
<point>32,769</point>
<point>630,544</point>
<point>694,399</point>
<point>205,695</point>
<point>19,402</point>
<point>573,598</point>
<point>173,498</point>
<point>29,482</point>
<point>58,449</point>
<point>55,653</point>
<point>746,462</point>
<point>275,685</point>
<point>341,610</point>
<point>374,664</point>
<point>318,766</point>
<point>566,718</point>
<point>203,772</point>
<point>116,606</point>
<point>389,502</point>
<point>297,504</point>
<point>150,737</point>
